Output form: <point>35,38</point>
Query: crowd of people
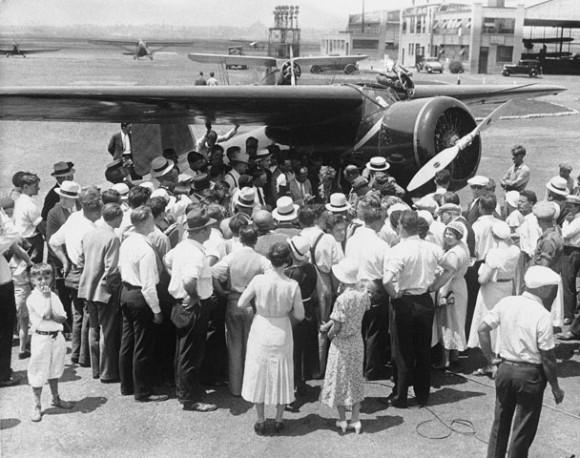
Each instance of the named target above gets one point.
<point>272,268</point>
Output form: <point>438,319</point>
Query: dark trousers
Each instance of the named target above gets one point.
<point>36,248</point>
<point>215,360</point>
<point>64,294</point>
<point>305,335</point>
<point>136,366</point>
<point>575,328</point>
<point>570,269</point>
<point>7,320</point>
<point>189,353</point>
<point>80,330</point>
<point>104,335</point>
<point>521,388</point>
<point>411,331</point>
<point>375,332</point>
<point>471,278</point>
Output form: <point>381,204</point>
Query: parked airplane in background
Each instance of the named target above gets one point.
<point>17,50</point>
<point>258,45</point>
<point>141,48</point>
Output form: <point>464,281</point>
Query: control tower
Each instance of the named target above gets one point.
<point>285,34</point>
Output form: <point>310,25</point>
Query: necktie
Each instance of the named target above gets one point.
<point>260,196</point>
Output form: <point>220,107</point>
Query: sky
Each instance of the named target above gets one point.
<point>243,13</point>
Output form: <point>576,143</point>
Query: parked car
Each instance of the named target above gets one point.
<point>526,67</point>
<point>348,69</point>
<point>430,65</point>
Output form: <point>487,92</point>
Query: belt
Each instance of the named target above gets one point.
<point>130,286</point>
<point>520,363</point>
<point>405,293</point>
<point>503,280</point>
<point>52,334</point>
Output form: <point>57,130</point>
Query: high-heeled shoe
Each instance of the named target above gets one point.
<point>342,425</point>
<point>259,428</point>
<point>357,426</point>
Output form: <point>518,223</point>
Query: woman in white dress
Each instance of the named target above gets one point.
<point>269,367</point>
<point>496,276</point>
<point>452,296</point>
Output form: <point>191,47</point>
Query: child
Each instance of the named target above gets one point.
<point>343,381</point>
<point>48,346</point>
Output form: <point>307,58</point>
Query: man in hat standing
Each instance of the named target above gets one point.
<point>571,257</point>
<point>264,222</point>
<point>163,173</point>
<point>239,162</point>
<point>191,287</point>
<point>477,185</point>
<point>244,204</point>
<point>564,172</point>
<point>376,164</point>
<point>518,175</point>
<point>526,362</point>
<point>557,189</point>
<point>300,187</point>
<point>62,171</point>
<point>286,215</point>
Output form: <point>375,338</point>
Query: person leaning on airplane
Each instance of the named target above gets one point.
<point>205,143</point>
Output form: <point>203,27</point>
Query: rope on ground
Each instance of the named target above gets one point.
<point>451,427</point>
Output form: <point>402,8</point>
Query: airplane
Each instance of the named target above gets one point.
<point>408,125</point>
<point>289,71</point>
<point>257,45</point>
<point>142,48</point>
<point>17,50</point>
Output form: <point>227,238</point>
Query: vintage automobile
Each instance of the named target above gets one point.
<point>527,67</point>
<point>430,65</point>
<point>348,69</point>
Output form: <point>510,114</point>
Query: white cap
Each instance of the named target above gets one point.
<point>478,180</point>
<point>538,276</point>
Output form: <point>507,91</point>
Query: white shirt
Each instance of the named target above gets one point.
<point>212,82</point>
<point>232,178</point>
<point>326,252</point>
<point>369,251</point>
<point>483,237</point>
<point>388,234</point>
<point>138,267</point>
<point>8,236</point>
<point>126,143</point>
<point>413,262</point>
<point>26,216</point>
<point>216,244</point>
<point>188,259</point>
<point>525,328</point>
<point>71,234</point>
<point>571,231</point>
<point>240,268</point>
<point>529,232</point>
<point>38,304</point>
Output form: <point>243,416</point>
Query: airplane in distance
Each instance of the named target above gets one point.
<point>16,49</point>
<point>289,70</point>
<point>256,44</point>
<point>142,48</point>
<point>411,126</point>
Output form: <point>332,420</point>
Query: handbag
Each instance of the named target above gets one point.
<point>182,316</point>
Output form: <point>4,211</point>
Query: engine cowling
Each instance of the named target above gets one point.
<point>414,131</point>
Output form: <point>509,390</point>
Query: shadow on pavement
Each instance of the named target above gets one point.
<point>85,405</point>
<point>372,405</point>
<point>450,396</point>
<point>70,374</point>
<point>7,423</point>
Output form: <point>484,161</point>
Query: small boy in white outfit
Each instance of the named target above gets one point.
<point>48,346</point>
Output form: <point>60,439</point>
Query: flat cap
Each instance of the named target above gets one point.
<point>538,276</point>
<point>545,210</point>
<point>478,180</point>
<point>566,166</point>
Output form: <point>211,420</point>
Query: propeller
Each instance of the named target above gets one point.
<point>445,157</point>
<point>293,74</point>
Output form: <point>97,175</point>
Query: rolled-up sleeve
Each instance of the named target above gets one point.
<point>149,277</point>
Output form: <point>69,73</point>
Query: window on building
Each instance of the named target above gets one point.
<point>404,26</point>
<point>420,50</point>
<point>412,24</point>
<point>365,44</point>
<point>499,25</point>
<point>411,48</point>
<point>418,25</point>
<point>505,53</point>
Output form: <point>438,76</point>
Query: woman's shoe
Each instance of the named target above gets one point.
<point>342,425</point>
<point>259,428</point>
<point>279,426</point>
<point>357,426</point>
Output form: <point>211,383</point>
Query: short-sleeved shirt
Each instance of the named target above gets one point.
<point>188,259</point>
<point>414,262</point>
<point>26,216</point>
<point>240,267</point>
<point>369,251</point>
<point>483,236</point>
<point>526,328</point>
<point>571,232</point>
<point>549,247</point>
<point>518,177</point>
<point>37,303</point>
<point>71,234</point>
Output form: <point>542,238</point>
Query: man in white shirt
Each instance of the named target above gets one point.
<point>140,308</point>
<point>205,143</point>
<point>70,236</point>
<point>526,362</point>
<point>239,162</point>
<point>409,278</point>
<point>212,81</point>
<point>191,286</point>
<point>529,232</point>
<point>27,216</point>
<point>370,253</point>
<point>571,256</point>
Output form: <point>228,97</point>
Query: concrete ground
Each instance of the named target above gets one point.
<point>105,424</point>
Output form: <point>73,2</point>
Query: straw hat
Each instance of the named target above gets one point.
<point>68,189</point>
<point>300,247</point>
<point>338,203</point>
<point>558,185</point>
<point>378,164</point>
<point>346,271</point>
<point>160,166</point>
<point>286,209</point>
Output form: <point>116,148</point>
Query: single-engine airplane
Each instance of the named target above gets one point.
<point>289,70</point>
<point>407,125</point>
<point>16,49</point>
<point>141,48</point>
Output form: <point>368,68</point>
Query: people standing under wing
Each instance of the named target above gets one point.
<point>409,278</point>
<point>269,368</point>
<point>204,145</point>
<point>191,287</point>
<point>140,308</point>
<point>99,286</point>
<point>371,253</point>
<point>69,237</point>
<point>526,363</point>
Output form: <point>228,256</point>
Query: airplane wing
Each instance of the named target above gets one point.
<point>30,51</point>
<point>233,59</point>
<point>166,44</point>
<point>115,42</point>
<point>281,106</point>
<point>329,60</point>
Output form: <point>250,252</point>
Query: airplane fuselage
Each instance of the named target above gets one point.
<point>15,52</point>
<point>143,51</point>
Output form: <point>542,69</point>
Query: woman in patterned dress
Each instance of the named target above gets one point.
<point>343,381</point>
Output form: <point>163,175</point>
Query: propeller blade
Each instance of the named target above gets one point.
<point>293,75</point>
<point>446,157</point>
<point>370,134</point>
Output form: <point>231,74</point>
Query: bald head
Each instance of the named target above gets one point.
<point>263,220</point>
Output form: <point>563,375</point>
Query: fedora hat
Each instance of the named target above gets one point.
<point>478,180</point>
<point>68,189</point>
<point>378,164</point>
<point>300,247</point>
<point>238,156</point>
<point>262,153</point>
<point>286,209</point>
<point>160,166</point>
<point>198,218</point>
<point>558,185</point>
<point>246,198</point>
<point>448,207</point>
<point>122,189</point>
<point>338,203</point>
<point>575,200</point>
<point>63,169</point>
<point>346,271</point>
<point>201,182</point>
<point>512,198</point>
